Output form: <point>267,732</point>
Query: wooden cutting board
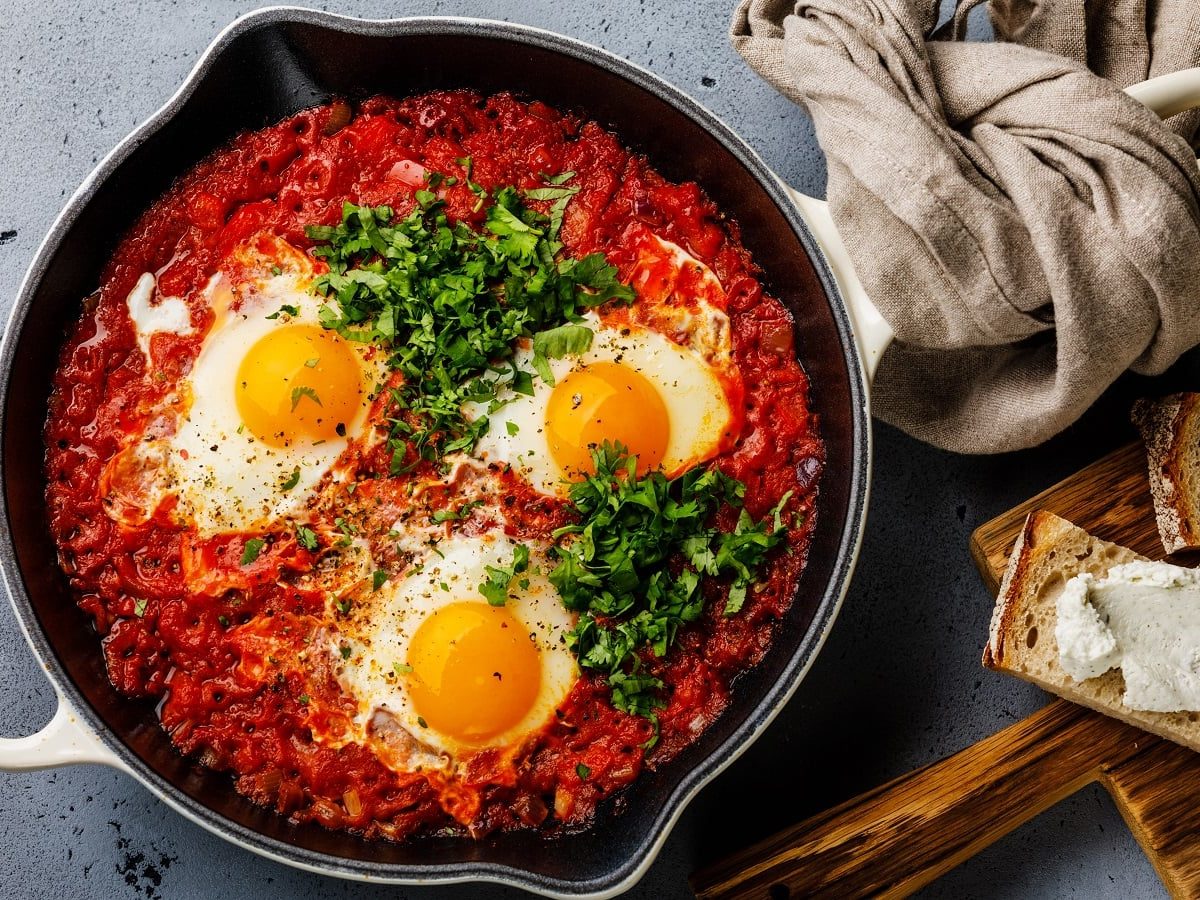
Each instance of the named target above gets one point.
<point>895,839</point>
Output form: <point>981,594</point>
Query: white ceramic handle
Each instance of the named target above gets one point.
<point>65,741</point>
<point>1165,95</point>
<point>1169,94</point>
<point>870,327</point>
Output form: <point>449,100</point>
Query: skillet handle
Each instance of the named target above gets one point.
<point>1166,95</point>
<point>870,327</point>
<point>64,741</point>
<point>1170,94</point>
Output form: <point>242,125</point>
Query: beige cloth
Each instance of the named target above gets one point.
<point>1029,231</point>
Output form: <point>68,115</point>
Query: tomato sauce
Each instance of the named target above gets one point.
<point>212,658</point>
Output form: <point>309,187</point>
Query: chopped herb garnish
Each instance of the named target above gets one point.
<point>614,565</point>
<point>455,515</point>
<point>555,343</point>
<point>251,550</point>
<point>378,579</point>
<point>223,620</point>
<point>139,607</point>
<point>287,309</point>
<point>292,480</point>
<point>401,668</point>
<point>495,588</point>
<point>312,363</point>
<point>512,428</point>
<point>275,270</point>
<point>450,303</point>
<point>344,607</point>
<point>345,650</point>
<point>303,699</point>
<point>307,537</point>
<point>583,772</point>
<point>421,721</point>
<point>300,392</point>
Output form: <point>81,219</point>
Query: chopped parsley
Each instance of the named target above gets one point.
<point>455,515</point>
<point>223,620</point>
<point>303,699</point>
<point>450,303</point>
<point>291,481</point>
<point>378,579</point>
<point>345,650</point>
<point>495,587</point>
<point>139,607</point>
<point>300,392</point>
<point>307,537</point>
<point>555,343</point>
<point>401,668</point>
<point>583,772</point>
<point>286,309</point>
<point>251,550</point>
<point>421,721</point>
<point>614,566</point>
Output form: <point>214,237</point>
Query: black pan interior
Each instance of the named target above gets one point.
<point>270,68</point>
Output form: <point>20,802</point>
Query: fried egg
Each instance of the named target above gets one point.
<point>437,672</point>
<point>668,404</point>
<point>270,403</point>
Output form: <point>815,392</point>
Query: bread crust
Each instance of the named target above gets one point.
<point>1049,552</point>
<point>1164,425</point>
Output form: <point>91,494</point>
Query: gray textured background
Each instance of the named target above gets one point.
<point>897,686</point>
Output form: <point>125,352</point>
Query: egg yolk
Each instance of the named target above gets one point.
<point>606,401</point>
<point>298,382</point>
<point>476,673</point>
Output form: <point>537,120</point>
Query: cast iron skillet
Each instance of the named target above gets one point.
<point>265,67</point>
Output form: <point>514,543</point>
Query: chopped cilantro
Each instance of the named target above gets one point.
<point>401,668</point>
<point>345,650</point>
<point>512,428</point>
<point>378,579</point>
<point>139,607</point>
<point>292,480</point>
<point>450,302</point>
<point>495,587</point>
<point>344,606</point>
<point>301,391</point>
<point>303,699</point>
<point>223,620</point>
<point>251,550</point>
<point>583,772</point>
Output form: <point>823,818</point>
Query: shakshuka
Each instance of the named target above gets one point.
<point>434,465</point>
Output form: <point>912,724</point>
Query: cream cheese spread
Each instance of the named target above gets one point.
<point>1143,618</point>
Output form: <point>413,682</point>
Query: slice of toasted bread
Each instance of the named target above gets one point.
<point>1049,552</point>
<point>1170,428</point>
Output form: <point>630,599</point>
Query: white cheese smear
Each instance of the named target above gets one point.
<point>1143,618</point>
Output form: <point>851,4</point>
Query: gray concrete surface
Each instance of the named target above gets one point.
<point>899,683</point>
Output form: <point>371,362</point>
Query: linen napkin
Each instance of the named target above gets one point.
<point>1028,230</point>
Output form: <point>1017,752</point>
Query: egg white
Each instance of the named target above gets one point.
<point>225,478</point>
<point>690,387</point>
<point>375,637</point>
